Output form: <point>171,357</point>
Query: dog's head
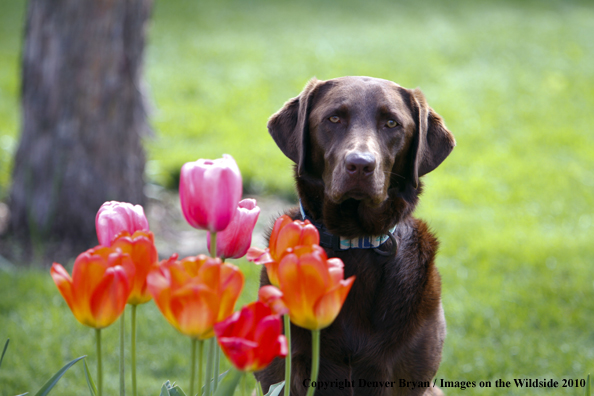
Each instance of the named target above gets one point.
<point>361,137</point>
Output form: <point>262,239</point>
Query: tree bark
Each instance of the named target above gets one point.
<point>83,119</point>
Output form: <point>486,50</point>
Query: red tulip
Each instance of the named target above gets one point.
<point>286,235</point>
<point>99,287</point>
<point>251,338</point>
<point>234,241</point>
<point>141,249</point>
<point>114,217</point>
<point>209,191</point>
<point>313,286</point>
<point>195,293</point>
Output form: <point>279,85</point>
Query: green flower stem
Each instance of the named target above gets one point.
<point>210,365</point>
<point>244,390</point>
<point>288,358</point>
<point>315,359</point>
<point>192,366</point>
<point>213,244</point>
<point>122,364</point>
<point>99,363</point>
<point>201,366</point>
<point>217,353</point>
<point>217,364</point>
<point>134,390</point>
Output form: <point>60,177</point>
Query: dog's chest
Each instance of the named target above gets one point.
<point>364,321</point>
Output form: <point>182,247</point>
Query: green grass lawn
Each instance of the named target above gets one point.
<point>512,206</point>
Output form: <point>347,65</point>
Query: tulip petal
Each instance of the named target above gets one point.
<point>273,297</point>
<point>190,194</point>
<point>179,274</point>
<point>192,265</point>
<point>109,298</point>
<point>265,335</point>
<point>251,338</point>
<point>256,255</point>
<point>279,224</point>
<point>87,273</point>
<point>272,271</point>
<point>295,289</point>
<point>243,326</point>
<point>194,308</point>
<point>239,351</point>
<point>288,237</point>
<point>209,192</point>
<point>234,241</point>
<point>329,306</point>
<point>231,285</point>
<point>143,254</point>
<point>159,285</point>
<point>310,235</point>
<point>225,327</point>
<point>64,283</point>
<point>336,274</point>
<point>114,217</point>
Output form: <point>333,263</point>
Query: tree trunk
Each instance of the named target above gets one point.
<point>83,119</point>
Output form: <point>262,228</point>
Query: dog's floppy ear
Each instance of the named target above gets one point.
<point>288,127</point>
<point>433,143</point>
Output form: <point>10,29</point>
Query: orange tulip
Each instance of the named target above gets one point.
<point>141,249</point>
<point>313,286</point>
<point>286,235</point>
<point>99,287</point>
<point>195,293</point>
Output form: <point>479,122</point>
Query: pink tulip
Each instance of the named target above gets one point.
<point>209,191</point>
<point>114,217</point>
<point>235,240</point>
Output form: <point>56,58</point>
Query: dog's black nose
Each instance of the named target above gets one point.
<point>360,164</point>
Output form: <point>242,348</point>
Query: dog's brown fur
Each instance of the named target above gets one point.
<point>358,175</point>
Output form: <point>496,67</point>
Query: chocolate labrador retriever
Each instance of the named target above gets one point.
<point>360,145</point>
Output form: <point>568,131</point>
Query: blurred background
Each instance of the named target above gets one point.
<point>512,206</point>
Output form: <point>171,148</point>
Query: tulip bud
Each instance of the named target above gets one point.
<point>114,217</point>
<point>209,191</point>
<point>235,240</point>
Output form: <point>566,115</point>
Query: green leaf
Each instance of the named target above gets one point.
<point>176,391</point>
<point>588,387</point>
<point>4,351</point>
<point>23,394</point>
<point>275,389</point>
<point>229,383</point>
<point>89,378</point>
<point>170,389</point>
<point>259,391</point>
<point>165,389</point>
<point>45,389</point>
<point>221,376</point>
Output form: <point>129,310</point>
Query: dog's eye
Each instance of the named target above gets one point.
<point>391,124</point>
<point>334,119</point>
